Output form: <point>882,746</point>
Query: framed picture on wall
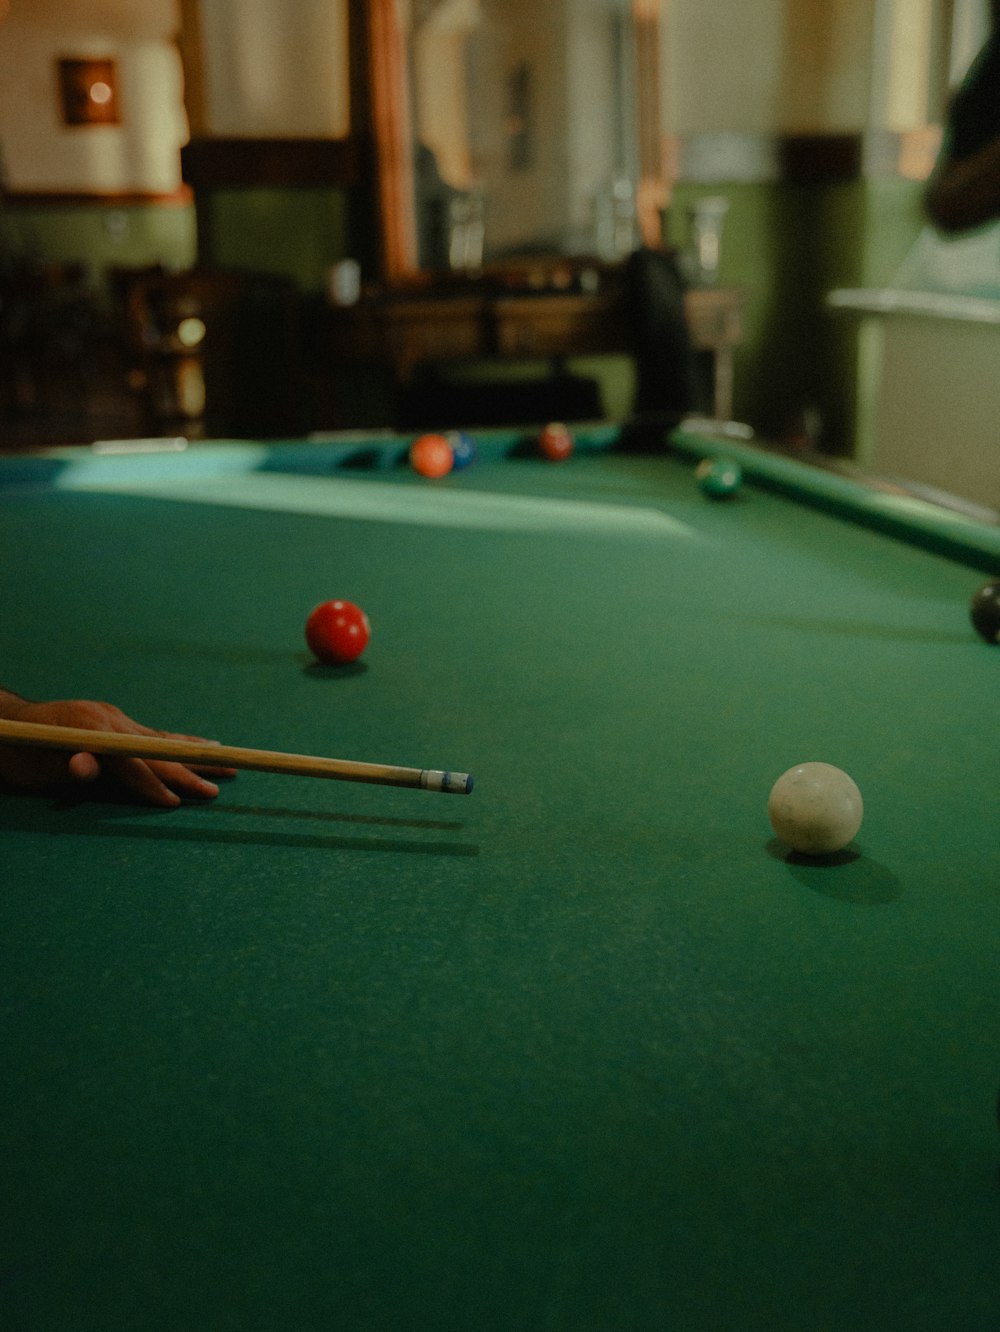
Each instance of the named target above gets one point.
<point>88,91</point>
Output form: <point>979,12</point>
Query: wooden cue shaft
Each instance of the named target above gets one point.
<point>201,753</point>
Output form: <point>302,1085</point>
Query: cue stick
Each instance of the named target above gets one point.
<point>79,740</point>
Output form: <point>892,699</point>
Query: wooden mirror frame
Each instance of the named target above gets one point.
<point>386,103</point>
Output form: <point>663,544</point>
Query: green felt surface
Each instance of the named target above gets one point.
<point>586,1049</point>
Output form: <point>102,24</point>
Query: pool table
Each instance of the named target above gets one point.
<point>585,1049</point>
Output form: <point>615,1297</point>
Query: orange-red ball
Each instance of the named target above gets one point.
<point>555,442</point>
<point>337,632</point>
<point>431,455</point>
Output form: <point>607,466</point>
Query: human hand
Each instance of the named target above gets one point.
<point>155,781</point>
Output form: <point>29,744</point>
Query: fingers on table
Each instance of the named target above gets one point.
<point>158,782</point>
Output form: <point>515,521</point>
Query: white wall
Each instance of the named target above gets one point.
<point>769,66</point>
<point>42,154</point>
<point>271,67</point>
<point>813,66</point>
<point>529,202</point>
<point>565,47</point>
<point>597,151</point>
<point>276,68</point>
<point>279,67</point>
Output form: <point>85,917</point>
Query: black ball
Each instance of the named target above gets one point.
<point>985,612</point>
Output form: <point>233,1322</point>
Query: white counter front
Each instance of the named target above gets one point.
<point>928,408</point>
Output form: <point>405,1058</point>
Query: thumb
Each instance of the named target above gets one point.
<point>84,768</point>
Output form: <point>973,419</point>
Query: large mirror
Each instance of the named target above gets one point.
<point>508,129</point>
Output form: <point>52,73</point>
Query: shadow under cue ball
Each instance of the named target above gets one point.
<point>815,808</point>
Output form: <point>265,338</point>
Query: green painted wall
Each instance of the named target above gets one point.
<point>894,218</point>
<point>98,236</point>
<point>297,232</point>
<point>787,246</point>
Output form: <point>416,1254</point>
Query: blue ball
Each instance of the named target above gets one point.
<point>463,447</point>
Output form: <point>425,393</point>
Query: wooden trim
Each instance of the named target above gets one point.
<point>217,163</point>
<point>92,199</point>
<point>652,192</point>
<point>814,159</point>
<point>190,44</point>
<point>392,139</point>
<point>358,59</point>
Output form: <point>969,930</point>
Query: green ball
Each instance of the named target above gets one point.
<point>719,478</point>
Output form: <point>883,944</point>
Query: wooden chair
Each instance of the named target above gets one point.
<point>212,352</point>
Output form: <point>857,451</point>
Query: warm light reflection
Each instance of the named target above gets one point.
<point>100,92</point>
<point>918,150</point>
<point>190,331</point>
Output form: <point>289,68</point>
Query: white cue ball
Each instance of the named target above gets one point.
<point>815,808</point>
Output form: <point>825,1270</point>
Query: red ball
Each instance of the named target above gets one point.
<point>555,442</point>
<point>337,632</point>
<point>431,455</point>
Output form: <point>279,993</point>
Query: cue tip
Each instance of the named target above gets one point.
<point>451,783</point>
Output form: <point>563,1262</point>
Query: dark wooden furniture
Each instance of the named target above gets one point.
<point>213,351</point>
<point>406,329</point>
